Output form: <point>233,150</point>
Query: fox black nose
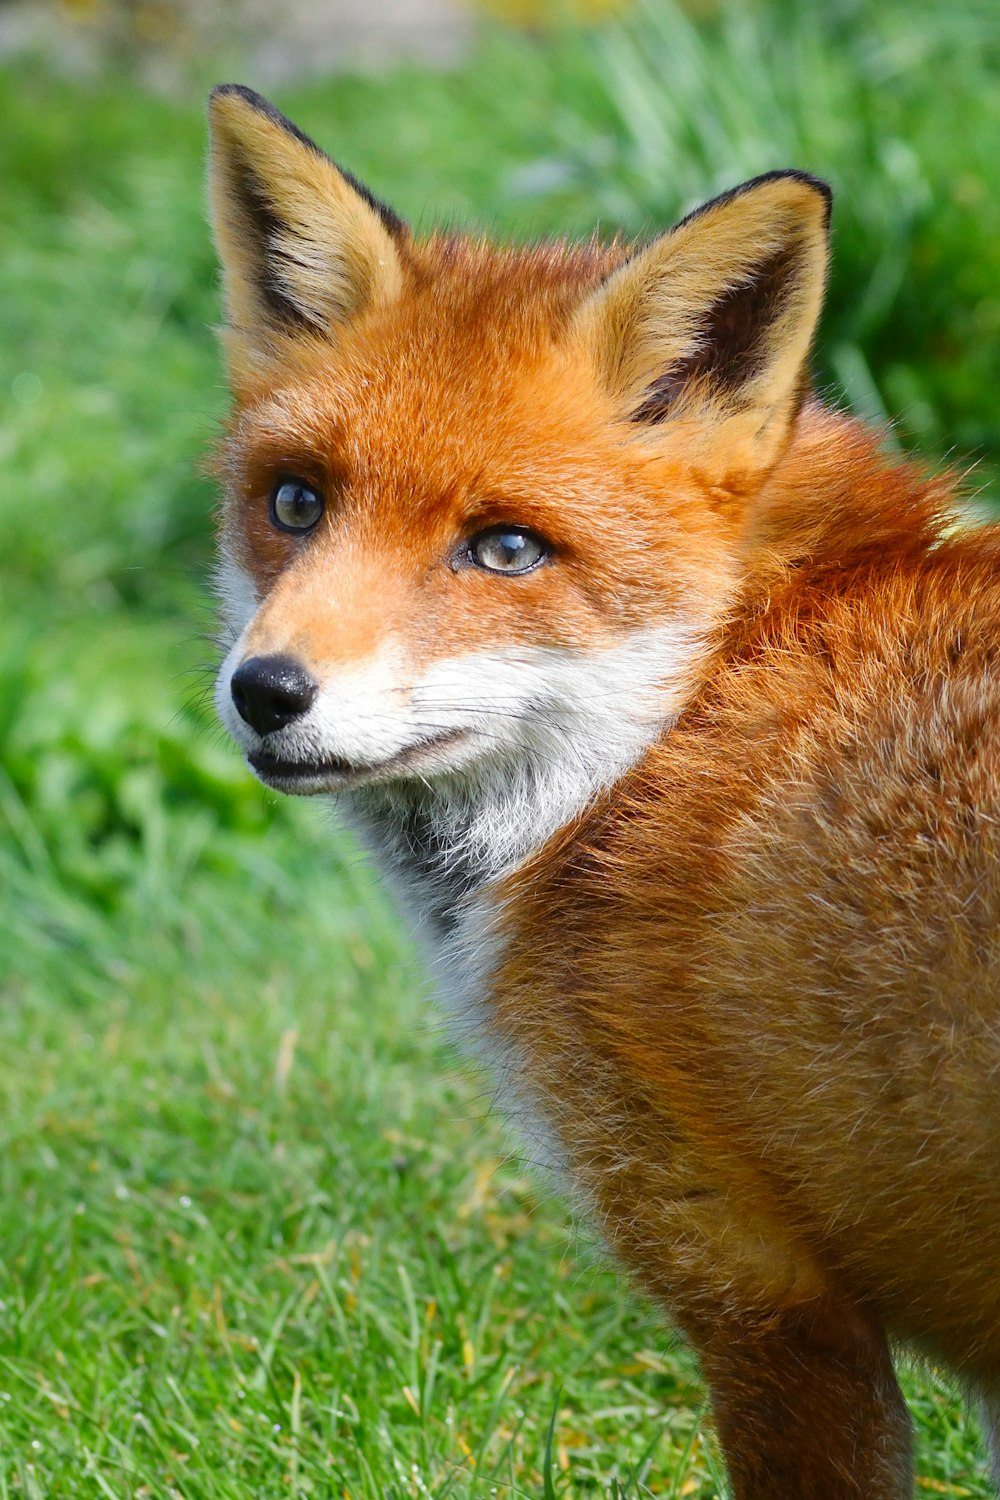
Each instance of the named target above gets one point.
<point>270,691</point>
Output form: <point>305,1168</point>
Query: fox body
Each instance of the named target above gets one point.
<point>670,706</point>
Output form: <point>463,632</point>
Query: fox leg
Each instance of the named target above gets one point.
<point>807,1406</point>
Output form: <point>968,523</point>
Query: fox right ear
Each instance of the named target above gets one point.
<point>304,246</point>
<point>709,327</point>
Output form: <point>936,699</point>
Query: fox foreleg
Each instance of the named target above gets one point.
<point>806,1405</point>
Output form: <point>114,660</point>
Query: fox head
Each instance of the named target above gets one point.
<point>483,505</point>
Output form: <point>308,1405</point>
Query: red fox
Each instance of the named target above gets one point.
<point>667,703</point>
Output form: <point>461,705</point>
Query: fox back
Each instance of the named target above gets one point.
<point>669,706</point>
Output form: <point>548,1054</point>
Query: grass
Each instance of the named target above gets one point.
<point>259,1233</point>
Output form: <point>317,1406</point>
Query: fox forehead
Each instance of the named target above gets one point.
<point>475,344</point>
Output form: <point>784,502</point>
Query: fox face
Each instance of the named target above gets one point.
<point>483,507</point>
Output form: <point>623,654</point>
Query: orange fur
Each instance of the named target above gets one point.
<point>754,986</point>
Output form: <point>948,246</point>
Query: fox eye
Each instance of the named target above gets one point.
<point>295,506</point>
<point>507,549</point>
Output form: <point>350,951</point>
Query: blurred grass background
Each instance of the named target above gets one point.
<point>258,1233</point>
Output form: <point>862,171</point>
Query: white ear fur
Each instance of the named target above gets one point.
<point>302,243</point>
<point>714,320</point>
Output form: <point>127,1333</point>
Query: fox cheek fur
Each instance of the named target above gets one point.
<point>669,705</point>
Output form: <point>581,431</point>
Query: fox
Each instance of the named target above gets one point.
<point>668,703</point>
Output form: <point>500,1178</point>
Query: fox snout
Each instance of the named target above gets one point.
<point>270,692</point>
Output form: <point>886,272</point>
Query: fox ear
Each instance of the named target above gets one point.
<point>711,324</point>
<point>303,245</point>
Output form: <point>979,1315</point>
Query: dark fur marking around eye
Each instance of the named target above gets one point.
<point>732,339</point>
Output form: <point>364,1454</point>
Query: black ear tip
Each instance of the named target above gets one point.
<point>793,174</point>
<point>249,96</point>
<point>266,108</point>
<point>262,106</point>
<point>816,185</point>
<point>822,187</point>
<point>819,186</point>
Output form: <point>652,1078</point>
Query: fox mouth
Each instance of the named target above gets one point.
<point>305,778</point>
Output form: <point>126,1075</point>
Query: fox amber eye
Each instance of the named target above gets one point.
<point>507,549</point>
<point>295,506</point>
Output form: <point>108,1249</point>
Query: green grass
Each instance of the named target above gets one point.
<point>260,1234</point>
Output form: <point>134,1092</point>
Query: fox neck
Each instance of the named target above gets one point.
<point>442,845</point>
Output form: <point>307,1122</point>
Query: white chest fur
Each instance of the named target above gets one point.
<point>461,939</point>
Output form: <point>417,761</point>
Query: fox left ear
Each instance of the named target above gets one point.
<point>303,245</point>
<point>711,324</point>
